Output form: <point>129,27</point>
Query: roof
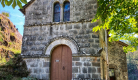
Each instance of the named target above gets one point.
<point>122,43</point>
<point>25,6</point>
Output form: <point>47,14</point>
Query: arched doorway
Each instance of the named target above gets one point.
<point>61,63</point>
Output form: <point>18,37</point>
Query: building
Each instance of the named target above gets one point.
<point>58,42</point>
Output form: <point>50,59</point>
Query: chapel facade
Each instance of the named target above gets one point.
<point>59,44</point>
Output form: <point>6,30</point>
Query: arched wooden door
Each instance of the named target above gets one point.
<point>61,63</point>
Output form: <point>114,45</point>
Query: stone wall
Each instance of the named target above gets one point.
<point>37,38</point>
<point>117,60</point>
<point>82,67</point>
<point>41,11</point>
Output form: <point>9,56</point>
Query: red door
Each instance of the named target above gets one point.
<point>61,63</point>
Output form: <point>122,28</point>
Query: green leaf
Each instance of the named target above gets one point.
<point>24,1</point>
<point>8,3</point>
<point>14,4</point>
<point>19,4</point>
<point>3,4</point>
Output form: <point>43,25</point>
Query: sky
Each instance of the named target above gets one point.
<point>16,17</point>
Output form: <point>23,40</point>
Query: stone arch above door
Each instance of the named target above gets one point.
<point>62,41</point>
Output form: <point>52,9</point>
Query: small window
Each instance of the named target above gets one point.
<point>56,12</point>
<point>66,11</point>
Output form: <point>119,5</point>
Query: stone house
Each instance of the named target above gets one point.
<point>58,42</point>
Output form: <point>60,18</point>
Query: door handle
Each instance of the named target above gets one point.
<point>63,68</point>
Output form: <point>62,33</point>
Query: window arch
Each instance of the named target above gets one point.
<point>56,12</point>
<point>66,13</point>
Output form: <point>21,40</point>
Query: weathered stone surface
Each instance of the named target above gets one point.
<point>34,65</point>
<point>78,64</point>
<point>73,31</point>
<point>95,75</point>
<point>87,64</point>
<point>76,58</point>
<point>95,45</point>
<point>91,70</point>
<point>69,27</point>
<point>96,64</point>
<point>74,69</point>
<point>91,51</point>
<point>84,70</point>
<point>91,40</point>
<point>95,36</point>
<point>97,41</point>
<point>45,64</point>
<point>81,32</point>
<point>80,76</point>
<point>76,27</point>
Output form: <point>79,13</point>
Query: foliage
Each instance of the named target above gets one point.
<point>14,3</point>
<point>11,49</point>
<point>6,14</point>
<point>16,68</point>
<point>120,17</point>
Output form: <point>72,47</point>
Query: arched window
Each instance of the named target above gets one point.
<point>56,12</point>
<point>66,11</point>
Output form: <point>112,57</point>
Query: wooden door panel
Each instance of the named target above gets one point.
<point>62,69</point>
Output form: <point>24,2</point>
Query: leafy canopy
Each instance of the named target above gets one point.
<point>14,3</point>
<point>120,17</point>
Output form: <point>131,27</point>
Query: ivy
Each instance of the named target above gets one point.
<point>120,17</point>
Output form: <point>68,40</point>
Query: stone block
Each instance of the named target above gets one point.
<point>78,64</point>
<point>47,70</point>
<point>40,38</point>
<point>97,41</point>
<point>79,36</point>
<point>95,45</point>
<point>46,64</point>
<point>91,51</point>
<point>91,40</point>
<point>32,38</point>
<point>81,32</point>
<point>33,48</point>
<point>96,64</point>
<point>88,76</point>
<point>76,59</point>
<point>74,69</point>
<point>84,70</point>
<point>95,36</point>
<point>45,76</point>
<point>84,26</point>
<point>87,64</point>
<point>80,76</point>
<point>94,75</point>
<point>73,31</point>
<point>87,36</point>
<point>87,45</point>
<point>38,52</point>
<point>76,26</point>
<point>36,70</point>
<point>91,70</point>
<point>29,43</point>
<point>69,27</point>
<point>37,43</point>
<point>73,64</point>
<point>34,64</point>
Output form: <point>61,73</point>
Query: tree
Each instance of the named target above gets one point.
<point>120,17</point>
<point>14,3</point>
<point>5,13</point>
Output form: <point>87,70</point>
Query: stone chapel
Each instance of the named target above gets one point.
<point>59,44</point>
